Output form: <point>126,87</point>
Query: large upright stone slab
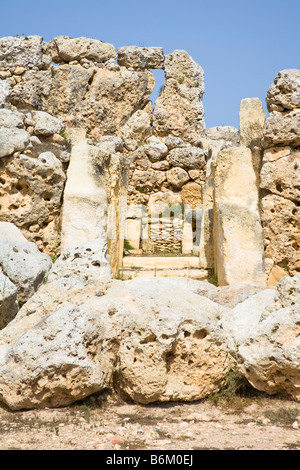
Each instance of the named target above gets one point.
<point>184,116</point>
<point>252,120</point>
<point>238,236</point>
<point>84,207</point>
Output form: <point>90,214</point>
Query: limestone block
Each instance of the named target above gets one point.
<point>85,263</point>
<point>287,293</point>
<point>146,181</point>
<point>84,205</point>
<point>206,245</point>
<point>227,133</point>
<point>172,142</point>
<point>269,356</point>
<point>187,236</point>
<point>22,262</point>
<point>99,99</point>
<point>66,49</point>
<point>187,157</point>
<point>282,129</point>
<point>178,110</point>
<point>191,195</point>
<point>10,118</point>
<point>31,193</point>
<point>5,90</point>
<point>284,93</point>
<point>177,177</point>
<point>275,275</point>
<point>238,236</point>
<point>67,343</point>
<point>133,232</point>
<point>138,127</point>
<point>155,149</point>
<point>280,173</point>
<point>281,222</point>
<point>8,300</point>
<point>141,57</point>
<point>252,119</point>
<point>13,140</point>
<point>21,50</point>
<point>45,124</point>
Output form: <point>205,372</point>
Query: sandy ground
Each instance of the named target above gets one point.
<point>107,423</point>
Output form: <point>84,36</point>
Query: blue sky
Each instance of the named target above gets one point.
<point>240,45</point>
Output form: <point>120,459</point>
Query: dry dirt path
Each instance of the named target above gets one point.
<point>97,424</point>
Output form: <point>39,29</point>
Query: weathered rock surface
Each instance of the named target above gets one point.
<point>187,157</point>
<point>238,235</point>
<point>280,172</point>
<point>284,93</point>
<point>13,140</point>
<point>55,363</point>
<point>227,133</point>
<point>66,49</point>
<point>45,124</point>
<point>8,300</point>
<point>279,177</point>
<point>269,357</point>
<point>138,127</point>
<point>141,57</point>
<point>86,263</point>
<point>282,129</point>
<point>159,338</point>
<point>22,262</point>
<point>262,334</point>
<point>183,117</point>
<point>281,221</point>
<point>23,50</point>
<point>252,119</point>
<point>101,99</point>
<point>5,90</point>
<point>177,177</point>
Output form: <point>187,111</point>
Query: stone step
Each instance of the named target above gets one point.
<point>161,262</point>
<point>198,274</point>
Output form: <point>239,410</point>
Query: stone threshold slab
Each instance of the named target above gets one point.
<point>161,262</point>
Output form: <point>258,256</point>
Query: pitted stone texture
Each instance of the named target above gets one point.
<point>23,264</point>
<point>160,337</point>
<point>281,222</point>
<point>141,57</point>
<point>284,93</point>
<point>88,262</point>
<point>184,116</point>
<point>227,133</point>
<point>13,140</point>
<point>280,173</point>
<point>57,362</point>
<point>187,157</point>
<point>99,99</point>
<point>45,124</point>
<point>269,356</point>
<point>177,177</point>
<point>30,191</point>
<point>138,127</point>
<point>282,129</point>
<point>66,49</point>
<point>10,118</point>
<point>22,50</point>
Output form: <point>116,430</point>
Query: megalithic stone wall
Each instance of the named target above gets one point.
<point>238,236</point>
<point>280,174</point>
